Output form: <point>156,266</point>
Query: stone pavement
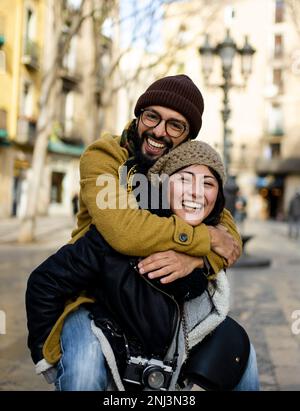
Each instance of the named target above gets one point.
<point>263,300</point>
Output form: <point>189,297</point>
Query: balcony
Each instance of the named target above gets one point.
<point>70,77</point>
<point>278,166</point>
<point>31,55</point>
<point>26,133</point>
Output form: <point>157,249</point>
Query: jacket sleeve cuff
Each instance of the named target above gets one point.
<point>42,366</point>
<point>183,233</point>
<point>47,369</point>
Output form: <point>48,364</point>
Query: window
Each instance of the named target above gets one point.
<point>30,25</point>
<point>278,79</point>
<point>57,187</point>
<point>3,119</point>
<point>2,62</point>
<point>278,46</point>
<point>229,15</point>
<point>2,43</point>
<point>275,149</point>
<point>67,112</point>
<point>279,11</point>
<point>69,60</point>
<point>27,100</point>
<point>275,120</point>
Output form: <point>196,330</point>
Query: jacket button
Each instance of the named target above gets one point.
<point>183,237</point>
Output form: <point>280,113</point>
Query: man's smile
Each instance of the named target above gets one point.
<point>153,146</point>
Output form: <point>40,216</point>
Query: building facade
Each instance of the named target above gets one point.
<point>21,28</point>
<point>265,149</point>
<point>26,44</point>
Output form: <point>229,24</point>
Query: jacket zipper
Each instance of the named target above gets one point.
<point>175,321</point>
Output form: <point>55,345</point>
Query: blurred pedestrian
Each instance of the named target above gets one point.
<point>294,216</point>
<point>75,205</point>
<point>240,213</point>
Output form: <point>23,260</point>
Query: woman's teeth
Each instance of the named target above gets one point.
<point>191,205</point>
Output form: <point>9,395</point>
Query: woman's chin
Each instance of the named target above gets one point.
<point>193,219</point>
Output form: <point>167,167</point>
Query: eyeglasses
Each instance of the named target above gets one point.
<point>174,128</point>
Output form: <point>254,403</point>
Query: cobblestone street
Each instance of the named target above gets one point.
<point>263,300</point>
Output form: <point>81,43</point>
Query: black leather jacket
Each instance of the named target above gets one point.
<point>122,295</point>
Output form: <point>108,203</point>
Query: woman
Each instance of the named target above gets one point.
<point>120,308</point>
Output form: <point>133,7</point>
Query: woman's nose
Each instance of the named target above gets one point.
<point>198,189</point>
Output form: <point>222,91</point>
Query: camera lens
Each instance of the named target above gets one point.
<point>153,377</point>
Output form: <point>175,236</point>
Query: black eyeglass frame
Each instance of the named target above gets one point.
<point>185,126</point>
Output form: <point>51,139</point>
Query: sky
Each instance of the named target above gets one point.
<point>141,23</point>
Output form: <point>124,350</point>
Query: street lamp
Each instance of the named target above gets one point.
<point>226,50</point>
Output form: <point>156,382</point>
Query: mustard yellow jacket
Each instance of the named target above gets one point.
<point>129,230</point>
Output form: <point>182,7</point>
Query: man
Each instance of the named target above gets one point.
<point>167,114</point>
<point>173,101</point>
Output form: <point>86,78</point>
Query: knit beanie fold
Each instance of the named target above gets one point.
<point>188,154</point>
<point>178,93</point>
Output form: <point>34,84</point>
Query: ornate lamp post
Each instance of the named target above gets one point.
<point>226,50</point>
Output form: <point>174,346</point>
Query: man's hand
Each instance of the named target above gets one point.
<point>224,244</point>
<point>169,264</point>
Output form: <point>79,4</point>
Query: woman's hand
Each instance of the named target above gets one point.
<point>170,265</point>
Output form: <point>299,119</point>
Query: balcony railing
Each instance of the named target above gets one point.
<point>26,130</point>
<point>275,132</point>
<point>31,55</point>
<point>70,76</point>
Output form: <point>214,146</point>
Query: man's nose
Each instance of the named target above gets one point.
<point>160,129</point>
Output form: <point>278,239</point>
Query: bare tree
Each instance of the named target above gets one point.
<point>93,13</point>
<point>49,92</point>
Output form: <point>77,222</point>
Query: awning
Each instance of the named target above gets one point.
<point>67,149</point>
<point>4,141</point>
<point>278,166</point>
<point>269,182</point>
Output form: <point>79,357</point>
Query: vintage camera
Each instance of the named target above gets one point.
<point>150,373</point>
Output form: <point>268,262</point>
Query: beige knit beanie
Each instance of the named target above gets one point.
<point>187,154</point>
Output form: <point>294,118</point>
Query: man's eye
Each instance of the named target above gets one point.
<point>152,116</point>
<point>176,126</point>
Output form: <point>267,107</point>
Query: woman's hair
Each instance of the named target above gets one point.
<point>215,216</point>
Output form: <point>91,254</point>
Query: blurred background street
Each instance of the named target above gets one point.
<point>73,69</point>
<point>263,300</point>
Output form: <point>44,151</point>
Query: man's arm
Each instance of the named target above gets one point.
<point>132,231</point>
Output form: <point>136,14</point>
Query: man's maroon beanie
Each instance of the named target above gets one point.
<point>178,93</point>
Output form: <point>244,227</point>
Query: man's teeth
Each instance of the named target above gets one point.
<point>192,205</point>
<point>155,144</point>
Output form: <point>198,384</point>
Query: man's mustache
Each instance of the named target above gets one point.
<point>167,141</point>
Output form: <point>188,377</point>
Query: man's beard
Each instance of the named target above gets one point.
<point>143,161</point>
